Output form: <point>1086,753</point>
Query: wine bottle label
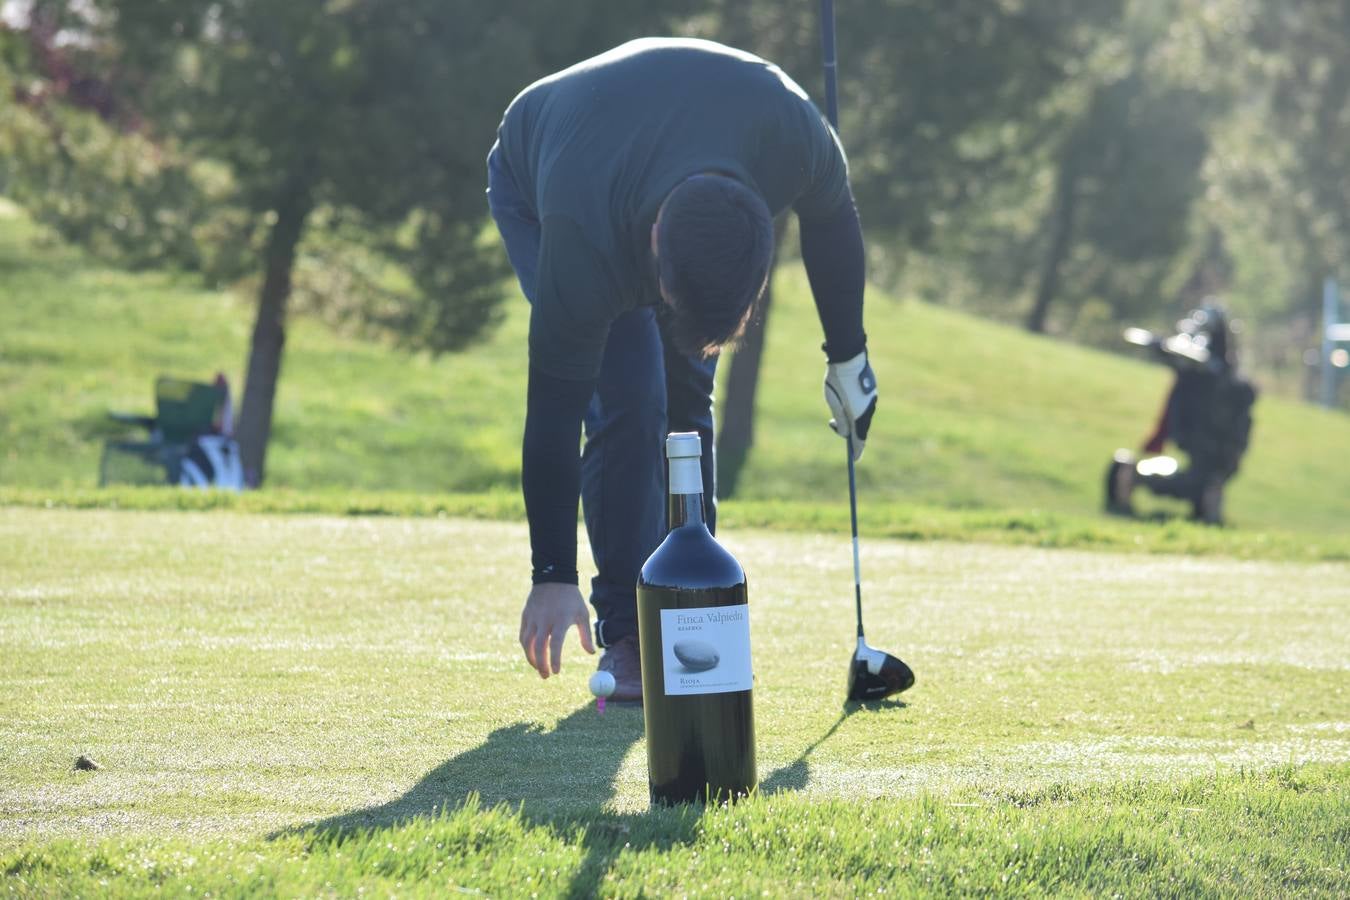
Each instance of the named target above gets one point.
<point>706,650</point>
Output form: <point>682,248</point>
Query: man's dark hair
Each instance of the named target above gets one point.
<point>714,246</point>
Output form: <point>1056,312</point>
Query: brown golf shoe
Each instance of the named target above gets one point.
<point>623,660</point>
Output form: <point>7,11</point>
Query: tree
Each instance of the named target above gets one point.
<point>736,432</point>
<point>1101,220</point>
<point>1126,174</point>
<point>370,119</point>
<point>77,160</point>
<point>1304,73</point>
<point>318,105</point>
<point>935,100</point>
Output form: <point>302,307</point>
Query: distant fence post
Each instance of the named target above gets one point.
<point>1334,332</point>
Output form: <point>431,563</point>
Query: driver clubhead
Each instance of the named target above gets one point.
<point>876,675</point>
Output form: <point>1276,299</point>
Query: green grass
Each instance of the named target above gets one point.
<point>323,704</point>
<point>973,416</point>
<point>315,689</point>
<point>78,339</point>
<point>1035,528</point>
<point>1272,834</point>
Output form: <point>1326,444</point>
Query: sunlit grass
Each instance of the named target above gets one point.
<point>278,702</point>
<point>1280,833</point>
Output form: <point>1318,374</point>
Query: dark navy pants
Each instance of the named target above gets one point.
<point>646,388</point>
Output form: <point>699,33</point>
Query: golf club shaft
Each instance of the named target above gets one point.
<point>853,521</point>
<point>831,69</point>
<point>832,113</point>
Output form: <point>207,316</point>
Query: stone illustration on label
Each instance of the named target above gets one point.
<point>696,655</point>
<point>706,650</point>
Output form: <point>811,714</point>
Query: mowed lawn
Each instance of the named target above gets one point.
<point>321,705</point>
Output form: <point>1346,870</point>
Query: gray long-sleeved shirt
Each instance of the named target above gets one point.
<point>592,151</point>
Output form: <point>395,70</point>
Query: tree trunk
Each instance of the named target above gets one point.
<point>1061,238</point>
<point>269,330</point>
<point>736,431</point>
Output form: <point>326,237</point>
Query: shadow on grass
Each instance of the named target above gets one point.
<point>795,775</point>
<point>520,765</point>
<point>572,766</point>
<point>537,772</point>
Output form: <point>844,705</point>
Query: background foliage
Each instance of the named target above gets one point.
<point>1072,167</point>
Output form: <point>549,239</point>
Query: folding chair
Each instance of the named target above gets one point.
<point>184,410</point>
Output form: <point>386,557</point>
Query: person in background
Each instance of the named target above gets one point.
<point>1207,415</point>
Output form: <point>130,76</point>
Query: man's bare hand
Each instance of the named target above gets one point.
<point>551,609</point>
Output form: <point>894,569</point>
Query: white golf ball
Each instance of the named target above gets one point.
<point>602,684</point>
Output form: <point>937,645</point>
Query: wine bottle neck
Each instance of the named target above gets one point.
<point>686,491</point>
<point>686,509</point>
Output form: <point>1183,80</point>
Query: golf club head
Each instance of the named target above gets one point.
<point>876,675</point>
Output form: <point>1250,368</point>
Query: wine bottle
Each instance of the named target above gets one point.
<point>694,631</point>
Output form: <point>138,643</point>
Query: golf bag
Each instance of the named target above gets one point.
<point>212,461</point>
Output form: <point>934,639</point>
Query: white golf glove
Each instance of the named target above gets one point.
<point>851,393</point>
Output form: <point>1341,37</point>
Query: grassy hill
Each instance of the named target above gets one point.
<point>972,415</point>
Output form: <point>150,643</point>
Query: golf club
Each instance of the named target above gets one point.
<point>872,674</point>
